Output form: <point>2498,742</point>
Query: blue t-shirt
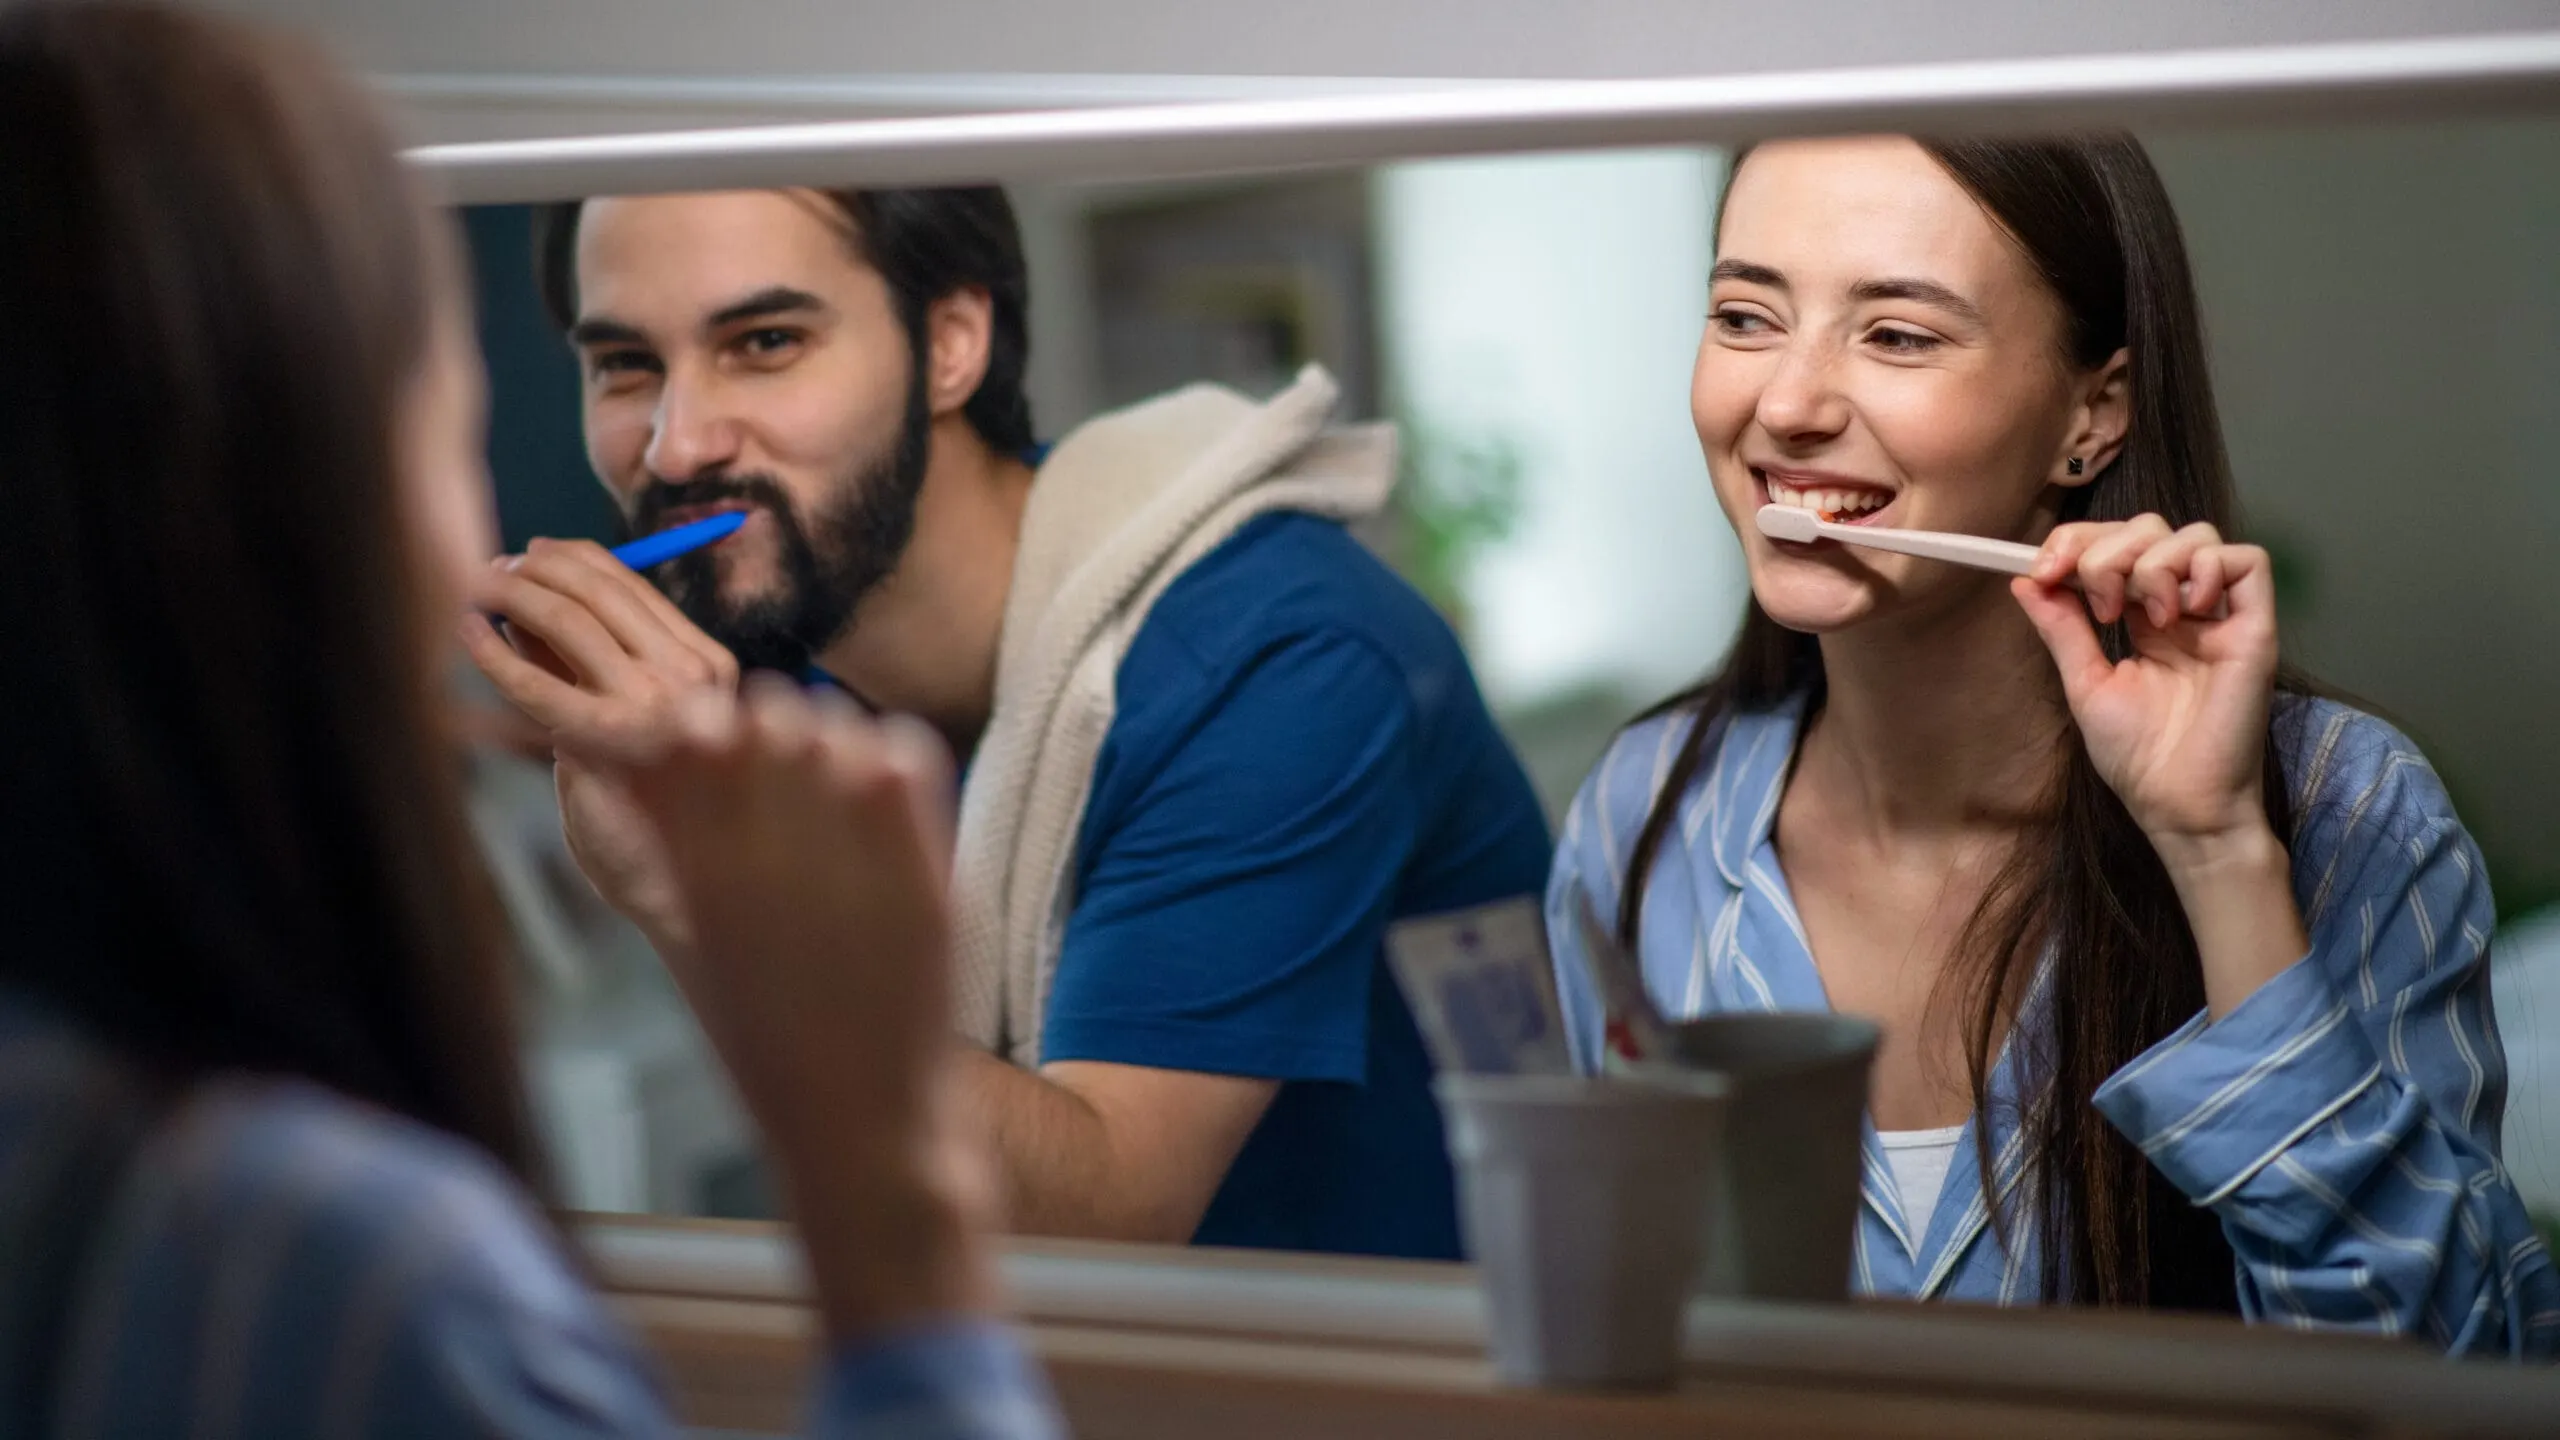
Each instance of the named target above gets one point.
<point>1299,756</point>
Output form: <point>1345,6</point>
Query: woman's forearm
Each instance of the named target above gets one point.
<point>2237,891</point>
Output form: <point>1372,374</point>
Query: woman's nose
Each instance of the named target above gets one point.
<point>1802,399</point>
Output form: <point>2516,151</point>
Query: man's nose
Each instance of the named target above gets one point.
<point>694,430</point>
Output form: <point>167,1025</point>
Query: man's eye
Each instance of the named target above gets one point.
<point>769,342</point>
<point>622,362</point>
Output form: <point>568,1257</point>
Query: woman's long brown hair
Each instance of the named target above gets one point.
<point>235,833</point>
<point>2093,218</point>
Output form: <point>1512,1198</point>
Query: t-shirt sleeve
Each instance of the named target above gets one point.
<point>1230,915</point>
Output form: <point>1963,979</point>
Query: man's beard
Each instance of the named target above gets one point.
<point>827,562</point>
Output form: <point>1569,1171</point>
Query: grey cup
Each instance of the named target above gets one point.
<point>1785,1178</point>
<point>1583,1203</point>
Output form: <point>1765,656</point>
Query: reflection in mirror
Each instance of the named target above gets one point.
<point>1189,913</point>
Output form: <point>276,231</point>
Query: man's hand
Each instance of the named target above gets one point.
<point>618,850</point>
<point>595,655</point>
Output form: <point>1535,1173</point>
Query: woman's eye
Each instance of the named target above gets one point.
<point>768,343</point>
<point>1902,342</point>
<point>1740,322</point>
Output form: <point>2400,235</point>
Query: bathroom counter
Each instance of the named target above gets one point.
<point>1143,1342</point>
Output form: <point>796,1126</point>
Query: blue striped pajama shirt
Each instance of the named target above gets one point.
<point>278,1261</point>
<point>2342,1122</point>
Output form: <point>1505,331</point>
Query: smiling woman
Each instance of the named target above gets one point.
<point>2061,850</point>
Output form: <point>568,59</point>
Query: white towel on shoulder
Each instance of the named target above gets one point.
<point>1122,507</point>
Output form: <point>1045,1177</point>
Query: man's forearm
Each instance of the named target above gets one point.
<point>1056,1152</point>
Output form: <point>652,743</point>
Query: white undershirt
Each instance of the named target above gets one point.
<point>1918,1160</point>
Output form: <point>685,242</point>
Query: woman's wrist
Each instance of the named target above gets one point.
<point>893,1232</point>
<point>2200,855</point>
<point>2236,886</point>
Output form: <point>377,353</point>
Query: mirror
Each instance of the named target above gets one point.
<point>2384,328</point>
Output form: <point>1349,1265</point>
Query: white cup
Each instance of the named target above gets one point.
<point>1583,1202</point>
<point>1783,1218</point>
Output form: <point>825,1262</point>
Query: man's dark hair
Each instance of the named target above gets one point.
<point>925,244</point>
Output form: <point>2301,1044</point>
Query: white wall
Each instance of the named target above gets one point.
<point>2385,313</point>
<point>2385,307</point>
<point>1555,302</point>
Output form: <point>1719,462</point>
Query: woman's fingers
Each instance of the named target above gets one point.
<point>781,728</point>
<point>776,755</point>
<point>2162,571</point>
<point>2141,563</point>
<point>2059,556</point>
<point>2061,619</point>
<point>2249,591</point>
<point>2106,565</point>
<point>921,765</point>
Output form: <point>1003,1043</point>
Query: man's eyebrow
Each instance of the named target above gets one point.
<point>1748,273</point>
<point>599,330</point>
<point>1927,292</point>
<point>764,304</point>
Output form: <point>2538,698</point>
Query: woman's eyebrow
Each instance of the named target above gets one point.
<point>1748,273</point>
<point>1926,292</point>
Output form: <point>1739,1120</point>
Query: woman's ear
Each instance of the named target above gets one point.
<point>960,328</point>
<point>2099,422</point>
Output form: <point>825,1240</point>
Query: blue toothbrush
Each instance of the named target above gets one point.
<point>666,545</point>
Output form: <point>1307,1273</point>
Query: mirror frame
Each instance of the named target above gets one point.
<point>2393,80</point>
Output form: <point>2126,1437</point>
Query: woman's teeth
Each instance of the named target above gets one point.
<point>1829,502</point>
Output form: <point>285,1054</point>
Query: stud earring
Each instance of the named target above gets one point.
<point>2077,465</point>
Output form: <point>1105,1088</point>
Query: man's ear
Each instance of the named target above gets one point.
<point>959,328</point>
<point>2099,422</point>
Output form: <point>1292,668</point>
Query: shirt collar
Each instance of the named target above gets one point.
<point>1738,812</point>
<point>1741,794</point>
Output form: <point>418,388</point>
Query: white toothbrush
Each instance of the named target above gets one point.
<point>2008,557</point>
<point>1791,522</point>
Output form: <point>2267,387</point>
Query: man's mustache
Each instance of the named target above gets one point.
<point>663,497</point>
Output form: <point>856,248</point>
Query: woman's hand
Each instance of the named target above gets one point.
<point>812,849</point>
<point>2179,729</point>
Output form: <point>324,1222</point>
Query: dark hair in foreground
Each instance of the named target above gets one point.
<point>2092,217</point>
<point>925,244</point>
<point>235,835</point>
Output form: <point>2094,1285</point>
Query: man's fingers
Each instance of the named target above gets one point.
<point>553,701</point>
<point>645,622</point>
<point>563,622</point>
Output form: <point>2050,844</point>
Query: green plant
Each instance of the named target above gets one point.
<point>1455,495</point>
